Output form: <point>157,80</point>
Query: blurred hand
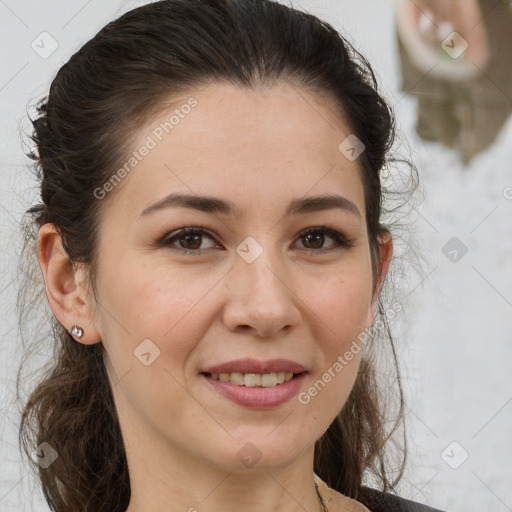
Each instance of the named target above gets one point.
<point>447,16</point>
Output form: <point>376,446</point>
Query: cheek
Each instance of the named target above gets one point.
<point>338,304</point>
<point>166,304</point>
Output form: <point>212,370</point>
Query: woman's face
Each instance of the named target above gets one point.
<point>172,306</point>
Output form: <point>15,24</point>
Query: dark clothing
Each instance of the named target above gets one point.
<point>378,501</point>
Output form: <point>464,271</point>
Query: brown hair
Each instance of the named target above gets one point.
<point>82,132</point>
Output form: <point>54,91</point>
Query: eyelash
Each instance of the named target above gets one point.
<point>341,241</point>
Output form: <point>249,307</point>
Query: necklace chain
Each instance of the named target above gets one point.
<point>322,504</point>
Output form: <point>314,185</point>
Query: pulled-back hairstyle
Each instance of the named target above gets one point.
<point>82,134</point>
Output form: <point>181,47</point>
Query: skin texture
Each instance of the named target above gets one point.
<point>260,149</point>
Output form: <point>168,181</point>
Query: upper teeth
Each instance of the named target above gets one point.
<point>266,380</point>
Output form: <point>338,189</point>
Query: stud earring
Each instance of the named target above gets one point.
<point>77,331</point>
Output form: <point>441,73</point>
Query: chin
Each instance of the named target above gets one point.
<point>256,451</point>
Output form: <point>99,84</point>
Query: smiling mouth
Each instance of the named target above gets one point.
<point>251,380</point>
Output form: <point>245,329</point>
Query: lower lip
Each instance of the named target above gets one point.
<point>258,397</point>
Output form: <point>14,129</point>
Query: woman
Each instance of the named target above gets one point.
<point>210,239</point>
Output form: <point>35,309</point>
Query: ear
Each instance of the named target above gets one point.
<point>71,302</point>
<point>385,255</point>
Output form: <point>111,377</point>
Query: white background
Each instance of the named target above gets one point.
<point>457,358</point>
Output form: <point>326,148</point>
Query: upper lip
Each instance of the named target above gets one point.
<point>256,366</point>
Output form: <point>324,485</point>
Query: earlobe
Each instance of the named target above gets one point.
<point>70,302</point>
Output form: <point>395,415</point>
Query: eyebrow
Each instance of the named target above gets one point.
<point>214,205</point>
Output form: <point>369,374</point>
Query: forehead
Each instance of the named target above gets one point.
<point>251,145</point>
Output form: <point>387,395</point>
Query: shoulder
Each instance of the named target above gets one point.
<point>378,501</point>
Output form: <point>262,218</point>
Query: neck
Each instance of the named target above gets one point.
<point>163,486</point>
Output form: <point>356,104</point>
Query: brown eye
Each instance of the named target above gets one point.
<point>189,240</point>
<point>317,240</point>
<point>314,239</point>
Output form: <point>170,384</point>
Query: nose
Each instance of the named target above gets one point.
<point>260,298</point>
